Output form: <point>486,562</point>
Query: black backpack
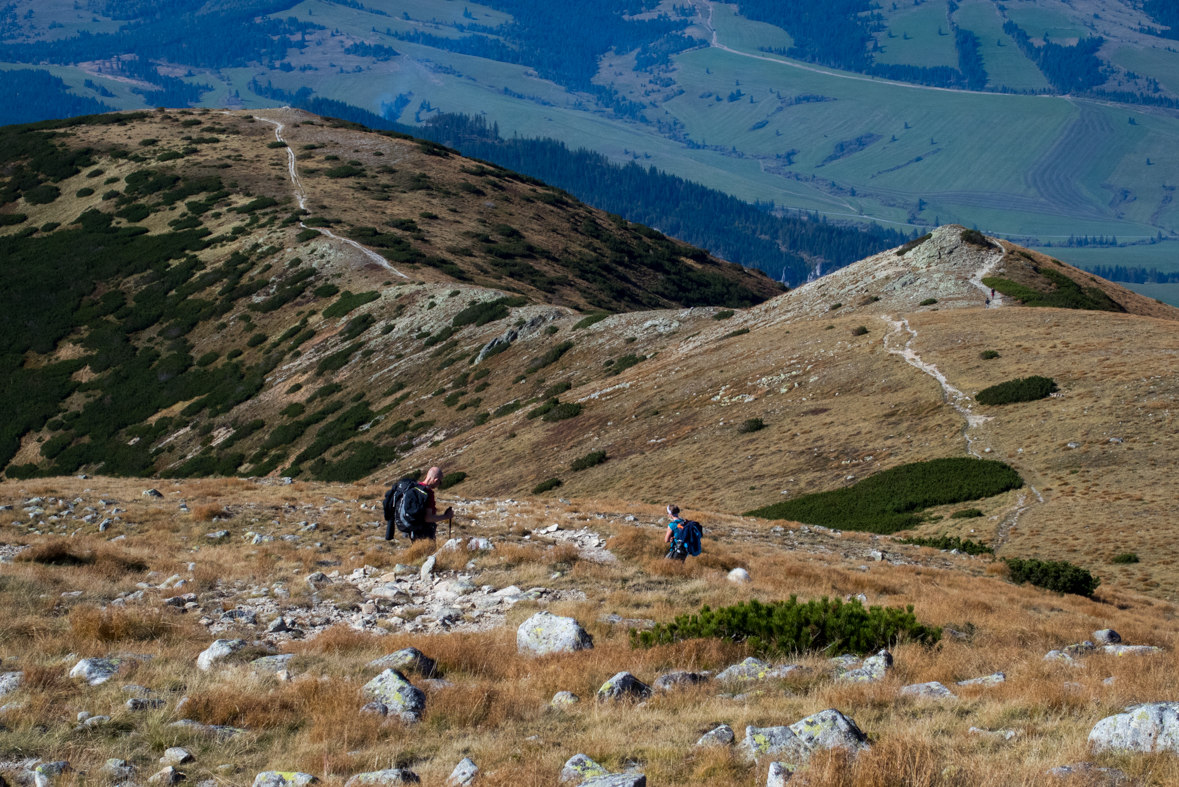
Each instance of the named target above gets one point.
<point>405,509</point>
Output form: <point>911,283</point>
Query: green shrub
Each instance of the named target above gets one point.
<point>325,291</point>
<point>293,410</point>
<point>835,306</point>
<point>278,143</point>
<point>592,459</point>
<point>479,314</point>
<point>452,399</point>
<point>42,195</point>
<point>553,391</point>
<point>482,418</point>
<point>928,302</point>
<point>1057,575</point>
<point>552,356</point>
<point>542,410</point>
<point>975,238</point>
<point>506,409</point>
<point>624,363</point>
<point>966,546</point>
<point>562,411</point>
<point>1067,294</point>
<point>966,513</point>
<point>323,392</point>
<point>256,339</point>
<point>545,486</point>
<point>452,479</point>
<point>788,627</point>
<point>84,192</point>
<point>12,219</point>
<point>988,355</point>
<point>740,332</point>
<point>342,171</point>
<point>1024,389</point>
<point>723,314</point>
<point>1125,557</point>
<point>908,247</point>
<point>348,301</point>
<point>338,360</point>
<point>859,330</point>
<point>751,425</point>
<point>306,235</point>
<point>260,203</point>
<point>589,320</point>
<point>234,353</point>
<point>892,500</point>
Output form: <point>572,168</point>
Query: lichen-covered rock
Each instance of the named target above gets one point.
<point>398,694</point>
<point>775,741</point>
<point>1061,657</point>
<point>675,680</point>
<point>1153,727</point>
<point>780,773</point>
<point>387,776</point>
<point>932,690</point>
<point>406,660</point>
<point>1080,649</point>
<point>563,699</point>
<point>754,669</point>
<point>45,773</point>
<point>1131,650</point>
<point>284,779</point>
<point>318,579</point>
<point>830,729</point>
<point>166,776</point>
<point>623,686</point>
<point>721,736</point>
<point>1107,637</point>
<point>986,680</point>
<point>545,633</point>
<point>142,703</point>
<point>117,770</point>
<point>273,664</point>
<point>10,682</point>
<point>464,773</point>
<point>872,670</point>
<point>578,768</point>
<point>96,671</point>
<point>217,651</point>
<point>617,780</point>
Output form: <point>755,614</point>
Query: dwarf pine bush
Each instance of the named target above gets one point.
<point>1058,575</point>
<point>1023,389</point>
<point>783,627</point>
<point>963,545</point>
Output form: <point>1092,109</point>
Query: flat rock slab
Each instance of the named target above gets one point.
<point>675,680</point>
<point>755,669</point>
<point>96,671</point>
<point>617,780</point>
<point>872,670</point>
<point>545,633</point>
<point>387,776</point>
<point>563,699</point>
<point>1131,650</point>
<point>272,663</point>
<point>932,690</point>
<point>10,682</point>
<point>1146,728</point>
<point>986,680</point>
<point>283,779</point>
<point>397,694</point>
<point>221,731</point>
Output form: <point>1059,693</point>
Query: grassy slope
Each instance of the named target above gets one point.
<point>1005,63</point>
<point>924,45</point>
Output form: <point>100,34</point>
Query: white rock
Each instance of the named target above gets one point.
<point>464,773</point>
<point>545,633</point>
<point>217,651</point>
<point>740,576</point>
<point>96,671</point>
<point>1145,728</point>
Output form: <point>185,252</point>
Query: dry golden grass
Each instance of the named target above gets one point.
<point>101,626</point>
<point>206,513</point>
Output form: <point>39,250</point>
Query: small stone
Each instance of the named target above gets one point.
<point>761,741</point>
<point>284,779</point>
<point>754,669</point>
<point>739,576</point>
<point>317,580</point>
<point>873,669</point>
<point>479,545</point>
<point>152,493</point>
<point>563,699</point>
<point>10,682</point>
<point>428,568</point>
<point>721,736</point>
<point>217,651</point>
<point>46,772</point>
<point>1107,637</point>
<point>272,664</point>
<point>139,703</point>
<point>95,721</point>
<point>931,690</point>
<point>623,686</point>
<point>1091,773</point>
<point>83,715</point>
<point>279,626</point>
<point>579,768</point>
<point>176,755</point>
<point>545,633</point>
<point>464,773</point>
<point>388,776</point>
<point>217,535</point>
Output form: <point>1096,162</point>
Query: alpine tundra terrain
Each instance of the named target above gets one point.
<point>317,310</point>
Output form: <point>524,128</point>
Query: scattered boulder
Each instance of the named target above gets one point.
<point>739,576</point>
<point>1092,774</point>
<point>217,651</point>
<point>10,682</point>
<point>387,776</point>
<point>95,721</point>
<point>46,772</point>
<point>318,580</point>
<point>1131,650</point>
<point>220,731</point>
<point>931,690</point>
<point>1107,637</point>
<point>623,686</point>
<point>675,680</point>
<point>1060,656</point>
<point>464,773</point>
<point>563,699</point>
<point>580,768</point>
<point>986,680</point>
<point>176,755</point>
<point>168,775</point>
<point>754,669</point>
<point>152,493</point>
<point>873,669</point>
<point>117,770</point>
<point>479,545</point>
<point>780,773</point>
<point>617,780</point>
<point>96,671</point>
<point>1143,728</point>
<point>428,568</point>
<point>406,660</point>
<point>284,779</point>
<point>545,633</point>
<point>273,664</point>
<point>827,729</point>
<point>721,736</point>
<point>760,741</point>
<point>142,703</point>
<point>398,695</point>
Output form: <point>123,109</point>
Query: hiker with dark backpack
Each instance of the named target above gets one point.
<point>410,507</point>
<point>684,536</point>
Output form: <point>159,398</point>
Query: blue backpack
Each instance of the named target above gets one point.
<point>689,533</point>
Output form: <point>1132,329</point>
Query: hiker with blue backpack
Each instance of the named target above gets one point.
<point>684,536</point>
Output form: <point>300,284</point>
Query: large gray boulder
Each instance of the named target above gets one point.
<point>387,776</point>
<point>1153,727</point>
<point>10,682</point>
<point>675,680</point>
<point>754,669</point>
<point>397,694</point>
<point>827,729</point>
<point>406,660</point>
<point>545,633</point>
<point>464,773</point>
<point>96,671</point>
<point>931,690</point>
<point>579,768</point>
<point>284,779</point>
<point>217,651</point>
<point>623,686</point>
